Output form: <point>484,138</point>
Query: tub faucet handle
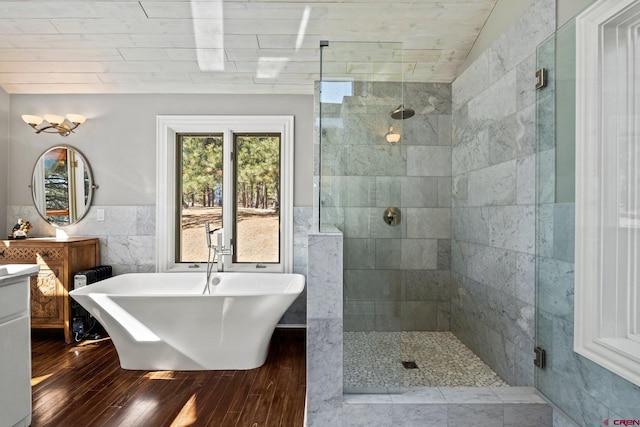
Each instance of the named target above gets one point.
<point>208,232</point>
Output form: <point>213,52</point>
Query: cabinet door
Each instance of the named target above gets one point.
<point>47,297</point>
<point>15,371</point>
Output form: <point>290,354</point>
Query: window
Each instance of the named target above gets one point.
<point>233,172</point>
<point>334,92</point>
<point>607,280</point>
<point>257,195</point>
<point>199,192</point>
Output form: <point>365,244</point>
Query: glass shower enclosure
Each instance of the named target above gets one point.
<point>360,168</point>
<point>599,393</point>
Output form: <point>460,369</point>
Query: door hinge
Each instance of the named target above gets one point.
<point>541,78</point>
<point>541,357</point>
<point>233,156</point>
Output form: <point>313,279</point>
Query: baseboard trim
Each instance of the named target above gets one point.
<point>292,326</point>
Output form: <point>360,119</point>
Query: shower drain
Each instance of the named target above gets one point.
<point>410,364</point>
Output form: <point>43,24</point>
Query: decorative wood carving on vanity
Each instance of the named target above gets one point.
<point>59,260</point>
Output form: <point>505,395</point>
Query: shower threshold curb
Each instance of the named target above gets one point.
<point>496,406</point>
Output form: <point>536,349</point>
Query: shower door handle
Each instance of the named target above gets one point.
<point>392,216</point>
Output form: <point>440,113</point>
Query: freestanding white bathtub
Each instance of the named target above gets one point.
<point>162,321</point>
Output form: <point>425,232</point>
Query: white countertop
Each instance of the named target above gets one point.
<point>10,272</point>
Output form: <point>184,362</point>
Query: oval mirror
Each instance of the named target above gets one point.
<point>62,186</point>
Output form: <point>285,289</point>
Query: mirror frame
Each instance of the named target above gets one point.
<point>92,187</point>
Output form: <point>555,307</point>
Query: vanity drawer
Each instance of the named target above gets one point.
<point>29,254</point>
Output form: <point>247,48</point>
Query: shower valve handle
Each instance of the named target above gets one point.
<point>392,216</point>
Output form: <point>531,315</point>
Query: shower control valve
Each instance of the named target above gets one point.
<point>392,216</point>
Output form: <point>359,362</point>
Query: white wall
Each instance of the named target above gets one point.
<point>119,137</point>
<point>4,154</point>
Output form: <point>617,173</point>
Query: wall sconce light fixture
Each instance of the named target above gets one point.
<point>392,137</point>
<point>55,124</point>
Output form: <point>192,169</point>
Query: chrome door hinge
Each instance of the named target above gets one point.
<point>541,78</point>
<point>541,357</point>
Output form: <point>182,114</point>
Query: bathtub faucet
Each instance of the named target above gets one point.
<point>219,250</point>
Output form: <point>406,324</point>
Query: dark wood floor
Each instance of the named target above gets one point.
<point>83,385</point>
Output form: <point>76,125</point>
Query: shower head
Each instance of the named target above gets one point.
<point>402,113</point>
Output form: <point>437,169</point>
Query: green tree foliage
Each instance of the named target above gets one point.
<point>56,180</point>
<point>257,176</point>
<point>201,169</point>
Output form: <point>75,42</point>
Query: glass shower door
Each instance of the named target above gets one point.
<point>598,396</point>
<point>361,167</point>
<point>555,199</point>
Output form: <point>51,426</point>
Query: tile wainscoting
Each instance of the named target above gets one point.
<point>128,242</point>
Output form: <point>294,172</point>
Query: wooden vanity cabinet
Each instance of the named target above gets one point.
<point>59,260</point>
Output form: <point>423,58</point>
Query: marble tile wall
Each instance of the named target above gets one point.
<point>421,406</point>
<point>127,241</point>
<point>362,176</point>
<point>493,198</point>
<point>302,226</point>
<point>407,406</point>
<point>596,393</point>
<point>562,420</point>
<point>324,329</point>
<point>127,234</point>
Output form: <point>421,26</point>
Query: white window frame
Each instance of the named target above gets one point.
<point>607,292</point>
<point>167,128</point>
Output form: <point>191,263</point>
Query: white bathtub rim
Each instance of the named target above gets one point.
<point>295,286</point>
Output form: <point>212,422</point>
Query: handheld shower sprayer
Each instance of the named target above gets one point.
<point>208,233</point>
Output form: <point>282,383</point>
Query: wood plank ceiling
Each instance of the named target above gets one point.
<point>228,46</point>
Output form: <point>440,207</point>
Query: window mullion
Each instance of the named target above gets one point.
<point>228,222</point>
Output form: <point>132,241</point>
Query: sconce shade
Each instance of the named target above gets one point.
<point>32,120</point>
<point>76,118</point>
<point>53,119</point>
<point>55,124</point>
<point>392,137</point>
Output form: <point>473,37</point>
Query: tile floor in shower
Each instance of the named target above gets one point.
<point>374,359</point>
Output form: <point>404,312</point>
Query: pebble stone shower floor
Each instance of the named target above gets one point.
<point>371,359</point>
